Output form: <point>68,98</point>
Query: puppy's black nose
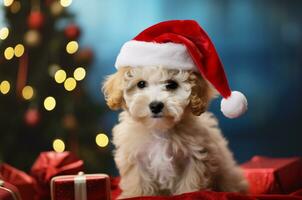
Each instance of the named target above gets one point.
<point>156,107</point>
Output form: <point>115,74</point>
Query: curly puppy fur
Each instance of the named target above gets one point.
<point>181,149</point>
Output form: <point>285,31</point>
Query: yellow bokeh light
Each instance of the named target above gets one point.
<point>27,92</point>
<point>70,84</point>
<point>79,73</point>
<point>4,87</point>
<point>72,47</point>
<point>19,50</point>
<point>58,145</point>
<point>60,76</point>
<point>65,3</point>
<point>8,2</point>
<point>9,53</point>
<point>102,140</point>
<point>4,32</point>
<point>49,103</point>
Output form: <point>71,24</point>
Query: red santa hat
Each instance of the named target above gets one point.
<point>182,44</point>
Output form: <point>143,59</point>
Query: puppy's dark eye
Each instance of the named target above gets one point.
<point>142,84</point>
<point>171,85</point>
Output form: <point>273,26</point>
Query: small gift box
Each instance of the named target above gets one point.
<point>273,175</point>
<point>51,164</point>
<point>8,191</point>
<point>81,187</point>
<point>25,184</point>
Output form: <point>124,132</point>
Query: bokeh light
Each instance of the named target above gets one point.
<point>58,145</point>
<point>102,140</point>
<point>15,7</point>
<point>53,68</point>
<point>4,87</point>
<point>19,50</point>
<point>7,3</point>
<point>9,53</point>
<point>79,73</point>
<point>49,103</point>
<point>72,47</point>
<point>4,32</point>
<point>27,92</point>
<point>70,84</point>
<point>60,76</point>
<point>65,3</point>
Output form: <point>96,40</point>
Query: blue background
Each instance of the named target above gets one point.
<point>259,42</point>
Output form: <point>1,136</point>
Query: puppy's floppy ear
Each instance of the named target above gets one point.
<point>113,89</point>
<point>201,94</point>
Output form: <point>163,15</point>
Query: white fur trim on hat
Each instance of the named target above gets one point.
<point>147,54</point>
<point>234,106</point>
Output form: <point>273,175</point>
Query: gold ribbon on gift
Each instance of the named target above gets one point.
<point>80,191</point>
<point>14,195</point>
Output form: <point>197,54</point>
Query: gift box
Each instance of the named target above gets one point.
<point>25,184</point>
<point>51,164</point>
<point>273,175</point>
<point>8,191</point>
<point>81,187</point>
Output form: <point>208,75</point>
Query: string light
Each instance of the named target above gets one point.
<point>72,47</point>
<point>19,50</point>
<point>60,76</point>
<point>70,84</point>
<point>27,92</point>
<point>49,103</point>
<point>79,73</point>
<point>8,3</point>
<point>58,145</point>
<point>65,3</point>
<point>9,53</point>
<point>4,32</point>
<point>4,87</point>
<point>102,140</point>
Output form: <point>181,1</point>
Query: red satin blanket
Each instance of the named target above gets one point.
<point>209,195</point>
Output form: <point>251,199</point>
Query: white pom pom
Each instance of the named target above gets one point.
<point>234,106</point>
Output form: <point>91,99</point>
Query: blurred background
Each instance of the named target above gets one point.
<point>56,53</point>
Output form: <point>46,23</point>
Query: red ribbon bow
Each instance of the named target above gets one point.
<point>47,165</point>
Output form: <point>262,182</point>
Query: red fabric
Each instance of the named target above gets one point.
<point>115,189</point>
<point>50,164</point>
<point>98,187</point>
<point>25,183</point>
<point>273,175</point>
<point>208,195</point>
<point>198,44</point>
<point>8,191</point>
<point>297,193</point>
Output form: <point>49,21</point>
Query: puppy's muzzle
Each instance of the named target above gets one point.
<point>156,107</point>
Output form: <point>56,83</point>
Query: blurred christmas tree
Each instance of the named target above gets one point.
<point>42,101</point>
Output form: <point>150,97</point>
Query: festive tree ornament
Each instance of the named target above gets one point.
<point>182,44</point>
<point>72,32</point>
<point>32,38</point>
<point>35,20</point>
<point>56,9</point>
<point>84,56</point>
<point>32,117</point>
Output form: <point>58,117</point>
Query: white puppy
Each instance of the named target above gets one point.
<point>166,143</point>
